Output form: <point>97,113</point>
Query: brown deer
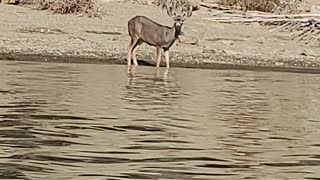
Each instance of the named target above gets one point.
<point>142,29</point>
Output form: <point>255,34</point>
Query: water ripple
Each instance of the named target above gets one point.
<point>80,121</point>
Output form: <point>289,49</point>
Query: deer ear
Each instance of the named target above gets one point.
<point>185,14</point>
<point>174,13</point>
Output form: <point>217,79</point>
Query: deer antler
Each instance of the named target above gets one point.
<point>187,7</point>
<point>165,5</point>
<point>172,5</point>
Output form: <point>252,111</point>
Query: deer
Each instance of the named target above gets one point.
<point>144,30</point>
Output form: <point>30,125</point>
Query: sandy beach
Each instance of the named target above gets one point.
<point>27,34</point>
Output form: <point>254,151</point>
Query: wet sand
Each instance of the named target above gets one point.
<point>31,35</point>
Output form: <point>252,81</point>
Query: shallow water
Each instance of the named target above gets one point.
<point>80,121</point>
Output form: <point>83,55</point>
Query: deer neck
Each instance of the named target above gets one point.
<point>171,36</point>
<point>175,32</point>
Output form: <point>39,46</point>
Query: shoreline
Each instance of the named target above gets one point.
<point>121,61</point>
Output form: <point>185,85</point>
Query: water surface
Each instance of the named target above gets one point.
<point>80,121</point>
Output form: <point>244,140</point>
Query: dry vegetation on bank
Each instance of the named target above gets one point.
<point>91,8</point>
<point>274,6</point>
<point>259,5</point>
<point>287,15</point>
<point>302,28</point>
<point>87,7</point>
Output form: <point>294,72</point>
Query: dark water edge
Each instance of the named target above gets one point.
<point>120,59</point>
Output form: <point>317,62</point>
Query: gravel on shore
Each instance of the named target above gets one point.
<point>32,35</point>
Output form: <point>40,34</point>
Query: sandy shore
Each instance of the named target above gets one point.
<point>27,34</point>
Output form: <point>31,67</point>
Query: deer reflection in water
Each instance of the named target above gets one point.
<point>156,91</point>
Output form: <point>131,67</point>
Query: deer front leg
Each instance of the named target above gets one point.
<point>134,57</point>
<point>129,53</point>
<point>135,47</point>
<point>129,57</point>
<point>166,55</point>
<point>158,56</point>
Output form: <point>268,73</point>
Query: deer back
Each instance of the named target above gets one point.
<point>151,32</point>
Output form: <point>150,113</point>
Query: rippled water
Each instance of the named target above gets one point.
<point>78,121</point>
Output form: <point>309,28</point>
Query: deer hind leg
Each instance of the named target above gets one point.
<point>132,46</point>
<point>166,56</point>
<point>158,56</point>
<point>134,56</point>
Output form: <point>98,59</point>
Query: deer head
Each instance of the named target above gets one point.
<point>179,11</point>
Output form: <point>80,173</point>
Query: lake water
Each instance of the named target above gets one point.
<point>86,121</point>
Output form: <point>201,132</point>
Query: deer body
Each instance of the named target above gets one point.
<point>151,32</point>
<point>142,29</point>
